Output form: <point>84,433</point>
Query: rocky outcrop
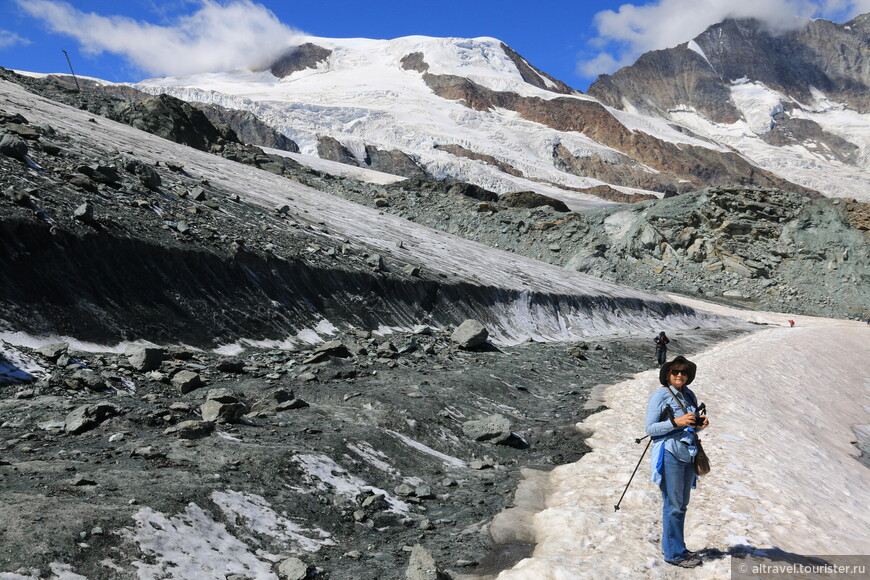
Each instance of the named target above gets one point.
<point>299,58</point>
<point>788,130</point>
<point>530,200</point>
<point>175,120</point>
<point>394,162</point>
<point>331,149</point>
<point>414,61</point>
<point>247,127</point>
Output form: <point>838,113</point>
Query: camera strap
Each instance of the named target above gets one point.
<point>683,407</point>
<point>677,399</point>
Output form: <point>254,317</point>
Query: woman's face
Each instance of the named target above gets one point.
<point>678,376</point>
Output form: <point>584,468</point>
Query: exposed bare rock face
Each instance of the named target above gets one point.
<point>175,120</point>
<point>610,194</point>
<point>394,162</point>
<point>530,200</point>
<point>299,58</point>
<point>248,127</point>
<point>330,148</point>
<point>790,130</point>
<point>663,80</point>
<point>823,55</point>
<point>415,61</point>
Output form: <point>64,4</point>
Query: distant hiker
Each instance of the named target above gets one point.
<point>662,341</point>
<point>673,435</point>
<point>791,323</point>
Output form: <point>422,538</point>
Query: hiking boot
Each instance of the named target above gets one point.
<point>692,561</point>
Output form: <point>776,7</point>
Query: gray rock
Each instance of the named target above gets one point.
<point>84,213</point>
<point>470,334</point>
<point>376,262</point>
<point>495,429</point>
<point>292,404</point>
<point>222,396</point>
<point>422,566</point>
<point>13,146</point>
<point>271,401</point>
<point>231,365</point>
<point>404,490</point>
<point>215,411</point>
<point>86,379</point>
<point>187,381</point>
<point>147,175</point>
<point>191,429</point>
<point>87,417</point>
<point>333,348</point>
<point>424,492</point>
<point>53,351</point>
<point>144,358</point>
<point>293,569</point>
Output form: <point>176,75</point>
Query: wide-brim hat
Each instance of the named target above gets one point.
<point>682,361</point>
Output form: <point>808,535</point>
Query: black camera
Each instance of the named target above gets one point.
<point>699,415</point>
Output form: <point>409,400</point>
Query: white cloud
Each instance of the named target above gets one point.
<point>634,29</point>
<point>216,37</point>
<point>10,39</point>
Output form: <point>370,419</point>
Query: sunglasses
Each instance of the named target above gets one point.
<point>684,372</point>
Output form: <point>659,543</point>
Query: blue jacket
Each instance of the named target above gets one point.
<point>678,441</point>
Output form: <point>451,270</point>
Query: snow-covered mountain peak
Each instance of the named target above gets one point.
<point>473,110</point>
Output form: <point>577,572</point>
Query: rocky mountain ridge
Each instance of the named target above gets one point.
<point>788,88</point>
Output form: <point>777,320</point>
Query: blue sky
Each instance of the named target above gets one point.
<point>573,41</point>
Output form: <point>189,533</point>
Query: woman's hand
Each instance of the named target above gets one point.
<point>687,420</point>
<point>706,423</point>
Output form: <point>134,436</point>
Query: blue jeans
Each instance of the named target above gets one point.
<point>677,479</point>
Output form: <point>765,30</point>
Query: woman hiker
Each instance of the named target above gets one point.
<point>662,341</point>
<point>673,434</point>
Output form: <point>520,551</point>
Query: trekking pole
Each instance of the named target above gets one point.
<point>616,507</point>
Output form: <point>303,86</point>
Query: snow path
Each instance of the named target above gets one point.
<point>782,403</point>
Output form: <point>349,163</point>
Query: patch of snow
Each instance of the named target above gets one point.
<point>325,327</point>
<point>694,47</point>
<point>190,545</point>
<point>758,104</point>
<point>65,572</point>
<point>234,349</point>
<point>334,478</point>
<point>255,513</point>
<point>32,341</point>
<point>16,366</point>
<point>447,459</point>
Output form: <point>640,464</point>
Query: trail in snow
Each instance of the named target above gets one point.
<point>782,405</point>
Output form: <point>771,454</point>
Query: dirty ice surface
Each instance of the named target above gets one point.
<point>782,404</point>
